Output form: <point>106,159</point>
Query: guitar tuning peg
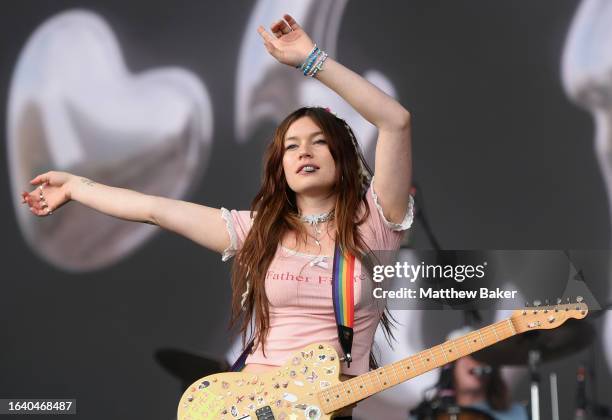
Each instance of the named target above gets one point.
<point>568,300</point>
<point>546,302</point>
<point>536,303</point>
<point>526,304</point>
<point>558,301</point>
<point>579,299</point>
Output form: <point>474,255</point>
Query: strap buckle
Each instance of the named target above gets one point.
<point>347,358</point>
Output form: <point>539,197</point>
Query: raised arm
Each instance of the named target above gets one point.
<point>393,163</point>
<point>203,225</point>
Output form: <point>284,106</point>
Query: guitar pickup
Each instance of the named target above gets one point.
<point>264,413</point>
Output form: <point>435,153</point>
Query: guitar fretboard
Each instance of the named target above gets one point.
<point>362,386</point>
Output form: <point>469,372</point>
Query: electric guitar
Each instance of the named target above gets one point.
<point>308,387</point>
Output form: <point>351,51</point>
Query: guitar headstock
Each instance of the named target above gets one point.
<point>546,317</point>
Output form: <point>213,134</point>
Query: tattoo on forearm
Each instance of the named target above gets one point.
<point>88,182</point>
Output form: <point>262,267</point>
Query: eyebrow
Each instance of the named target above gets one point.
<point>316,133</point>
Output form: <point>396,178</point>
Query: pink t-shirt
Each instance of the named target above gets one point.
<point>298,287</point>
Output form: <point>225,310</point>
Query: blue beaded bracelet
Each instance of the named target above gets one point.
<point>310,55</point>
<point>311,62</point>
<point>314,62</point>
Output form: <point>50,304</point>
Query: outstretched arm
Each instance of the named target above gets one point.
<point>203,225</point>
<point>393,163</point>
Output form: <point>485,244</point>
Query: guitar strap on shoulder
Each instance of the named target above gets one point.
<point>343,297</point>
<point>239,364</point>
<point>344,306</point>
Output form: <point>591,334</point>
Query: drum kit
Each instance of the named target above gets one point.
<point>535,347</point>
<point>530,350</point>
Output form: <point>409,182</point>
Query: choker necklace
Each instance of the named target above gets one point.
<point>314,220</point>
<point>317,218</point>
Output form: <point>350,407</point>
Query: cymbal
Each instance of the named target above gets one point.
<point>569,338</point>
<point>188,366</point>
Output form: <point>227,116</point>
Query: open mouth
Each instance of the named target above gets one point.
<point>307,169</point>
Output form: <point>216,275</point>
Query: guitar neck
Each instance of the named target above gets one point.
<point>363,386</point>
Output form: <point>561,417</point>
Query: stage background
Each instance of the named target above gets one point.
<point>504,161</point>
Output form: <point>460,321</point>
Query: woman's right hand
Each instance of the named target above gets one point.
<point>50,194</point>
<point>290,44</point>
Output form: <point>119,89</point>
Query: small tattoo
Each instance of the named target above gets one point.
<point>88,182</point>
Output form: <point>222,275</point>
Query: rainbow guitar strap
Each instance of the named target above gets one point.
<point>343,297</point>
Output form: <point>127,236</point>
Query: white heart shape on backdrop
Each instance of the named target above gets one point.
<point>74,106</point>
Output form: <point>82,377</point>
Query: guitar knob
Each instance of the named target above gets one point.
<point>536,303</point>
<point>579,299</point>
<point>558,301</point>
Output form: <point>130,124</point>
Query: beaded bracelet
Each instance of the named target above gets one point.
<point>311,61</point>
<point>314,62</point>
<point>311,54</point>
<point>319,65</point>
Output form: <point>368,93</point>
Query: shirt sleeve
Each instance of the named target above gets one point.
<point>238,224</point>
<point>386,235</point>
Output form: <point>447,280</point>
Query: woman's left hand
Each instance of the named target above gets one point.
<point>290,44</point>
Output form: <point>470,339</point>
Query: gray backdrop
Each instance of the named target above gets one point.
<point>503,159</point>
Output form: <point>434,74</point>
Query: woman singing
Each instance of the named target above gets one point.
<point>317,194</point>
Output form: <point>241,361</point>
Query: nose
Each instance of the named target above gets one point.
<point>305,151</point>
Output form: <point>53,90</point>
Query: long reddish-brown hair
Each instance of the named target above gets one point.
<point>274,214</point>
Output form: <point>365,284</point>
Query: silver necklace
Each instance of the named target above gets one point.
<point>314,220</point>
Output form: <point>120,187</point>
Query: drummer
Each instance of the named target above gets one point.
<point>478,385</point>
<point>470,387</point>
